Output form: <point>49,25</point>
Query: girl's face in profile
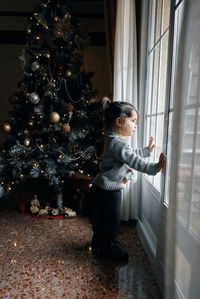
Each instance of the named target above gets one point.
<point>128,127</point>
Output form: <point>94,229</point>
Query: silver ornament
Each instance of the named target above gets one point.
<point>34,98</point>
<point>35,66</point>
<point>2,191</point>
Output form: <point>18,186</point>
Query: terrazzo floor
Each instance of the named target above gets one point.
<point>51,258</point>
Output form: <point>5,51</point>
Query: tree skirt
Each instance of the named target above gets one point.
<point>24,207</point>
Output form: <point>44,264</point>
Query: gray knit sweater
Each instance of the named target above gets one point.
<point>118,159</point>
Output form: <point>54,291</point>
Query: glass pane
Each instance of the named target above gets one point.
<point>159,143</point>
<point>177,28</point>
<point>193,76</point>
<point>147,136</point>
<point>166,14</point>
<point>163,73</point>
<point>185,168</point>
<point>184,193</point>
<point>150,76</point>
<point>168,164</point>
<point>189,121</point>
<point>158,19</point>
<point>195,221</point>
<point>159,136</point>
<point>152,24</point>
<point>193,89</point>
<point>147,131</point>
<point>152,133</point>
<point>155,78</point>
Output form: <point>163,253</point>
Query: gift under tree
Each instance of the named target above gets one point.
<point>51,131</point>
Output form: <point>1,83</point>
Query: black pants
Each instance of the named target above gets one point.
<point>105,210</point>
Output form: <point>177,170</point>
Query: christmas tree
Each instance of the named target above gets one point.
<point>51,131</point>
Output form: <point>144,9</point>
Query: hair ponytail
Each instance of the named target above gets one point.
<point>104,103</point>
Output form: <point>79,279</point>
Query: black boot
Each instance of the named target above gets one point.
<point>111,250</point>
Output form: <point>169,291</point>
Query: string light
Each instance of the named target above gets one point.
<point>61,156</point>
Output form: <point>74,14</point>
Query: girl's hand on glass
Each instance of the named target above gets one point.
<point>161,163</point>
<point>151,144</point>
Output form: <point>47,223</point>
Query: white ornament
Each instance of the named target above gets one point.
<point>34,98</point>
<point>35,66</point>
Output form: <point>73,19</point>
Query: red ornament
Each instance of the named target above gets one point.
<point>59,74</point>
<point>60,67</point>
<point>70,107</point>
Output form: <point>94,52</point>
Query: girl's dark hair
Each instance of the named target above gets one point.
<point>112,110</point>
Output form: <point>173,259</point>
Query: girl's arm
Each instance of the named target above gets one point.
<point>143,152</point>
<point>146,151</point>
<point>127,155</point>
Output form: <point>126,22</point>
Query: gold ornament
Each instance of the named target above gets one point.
<point>26,142</point>
<point>47,55</point>
<point>56,19</point>
<point>54,117</point>
<point>28,30</point>
<point>37,37</point>
<point>68,73</point>
<point>7,127</point>
<point>41,146</point>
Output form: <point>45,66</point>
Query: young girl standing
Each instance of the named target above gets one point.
<point>120,119</point>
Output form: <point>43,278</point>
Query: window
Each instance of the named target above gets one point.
<point>157,78</point>
<point>189,172</point>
